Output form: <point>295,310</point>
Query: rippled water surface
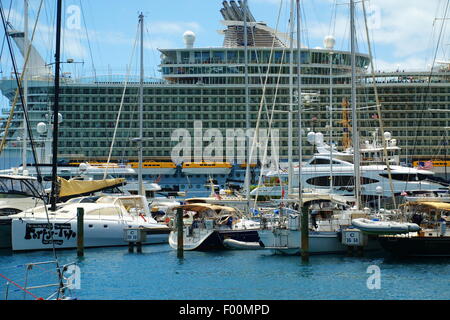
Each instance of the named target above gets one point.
<point>157,273</point>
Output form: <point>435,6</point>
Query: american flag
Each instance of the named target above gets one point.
<point>427,165</point>
<point>158,179</point>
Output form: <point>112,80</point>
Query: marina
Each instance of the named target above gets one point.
<point>262,169</point>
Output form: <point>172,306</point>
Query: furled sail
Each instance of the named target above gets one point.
<point>71,188</point>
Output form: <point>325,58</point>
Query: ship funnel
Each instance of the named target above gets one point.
<point>36,64</point>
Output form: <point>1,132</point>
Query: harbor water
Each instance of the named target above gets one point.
<point>157,274</point>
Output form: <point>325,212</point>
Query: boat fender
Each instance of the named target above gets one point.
<point>443,228</point>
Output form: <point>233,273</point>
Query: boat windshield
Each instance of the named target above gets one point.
<point>134,205</point>
<point>93,199</point>
<point>13,187</point>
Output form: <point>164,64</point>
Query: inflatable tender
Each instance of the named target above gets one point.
<point>241,245</point>
<point>384,227</point>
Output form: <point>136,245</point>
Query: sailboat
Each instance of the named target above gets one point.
<point>63,284</point>
<point>54,226</point>
<point>209,227</point>
<point>328,217</point>
<point>433,237</point>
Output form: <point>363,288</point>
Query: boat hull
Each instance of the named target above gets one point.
<point>323,242</point>
<point>416,246</point>
<point>5,233</point>
<point>214,239</point>
<point>35,234</point>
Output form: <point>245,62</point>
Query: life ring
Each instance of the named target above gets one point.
<point>167,220</point>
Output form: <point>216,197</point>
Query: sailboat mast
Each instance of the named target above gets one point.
<point>53,194</point>
<point>247,109</point>
<point>141,106</point>
<point>25,86</point>
<point>304,234</point>
<point>291,87</point>
<point>331,121</point>
<point>300,108</point>
<point>355,133</point>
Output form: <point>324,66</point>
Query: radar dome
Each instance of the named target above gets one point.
<point>189,39</point>
<point>328,42</point>
<point>311,137</point>
<point>387,135</point>
<point>41,128</point>
<point>319,138</point>
<point>83,167</point>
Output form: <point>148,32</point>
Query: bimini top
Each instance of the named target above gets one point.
<point>201,207</point>
<point>435,205</point>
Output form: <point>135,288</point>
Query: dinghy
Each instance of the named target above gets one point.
<point>384,227</point>
<point>241,245</point>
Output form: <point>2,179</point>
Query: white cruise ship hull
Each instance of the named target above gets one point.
<point>206,170</point>
<point>158,171</point>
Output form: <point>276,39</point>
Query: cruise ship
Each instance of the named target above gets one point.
<point>207,85</point>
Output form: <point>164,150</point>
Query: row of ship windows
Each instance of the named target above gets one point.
<point>234,103</point>
<point>89,152</point>
<point>231,124</point>
<point>275,70</point>
<point>219,91</point>
<point>169,144</point>
<point>422,137</point>
<point>240,115</point>
<point>321,97</point>
<point>259,56</point>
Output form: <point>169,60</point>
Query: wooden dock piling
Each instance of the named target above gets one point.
<point>139,247</point>
<point>130,247</point>
<point>80,232</point>
<point>180,226</point>
<point>304,235</point>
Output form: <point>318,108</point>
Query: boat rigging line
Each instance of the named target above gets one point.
<point>19,91</point>
<point>121,104</point>
<point>378,106</point>
<point>426,91</point>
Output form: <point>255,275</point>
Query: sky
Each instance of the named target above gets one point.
<point>100,35</point>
